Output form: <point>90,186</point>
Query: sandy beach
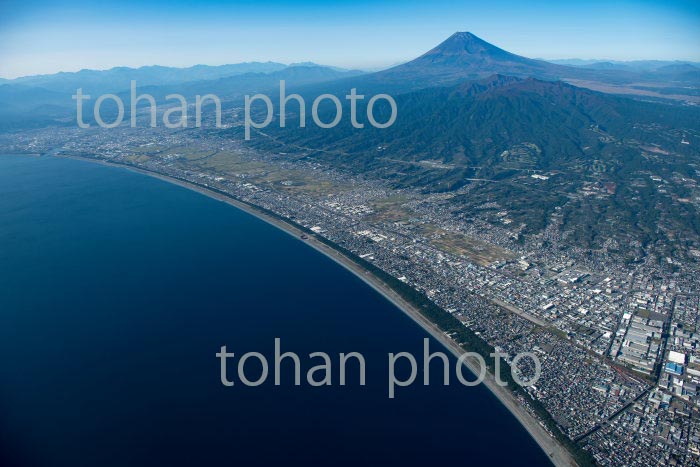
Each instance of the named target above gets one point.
<point>557,453</point>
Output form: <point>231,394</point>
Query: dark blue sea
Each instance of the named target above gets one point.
<point>116,292</point>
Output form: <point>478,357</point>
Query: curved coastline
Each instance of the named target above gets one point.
<point>558,454</point>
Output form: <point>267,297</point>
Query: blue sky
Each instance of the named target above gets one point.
<point>50,36</point>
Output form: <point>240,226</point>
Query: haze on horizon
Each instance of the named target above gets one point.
<point>39,37</point>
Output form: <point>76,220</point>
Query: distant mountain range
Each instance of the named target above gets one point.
<point>464,56</point>
<point>39,100</point>
<point>634,65</point>
<point>115,79</point>
<point>118,79</point>
<point>474,117</point>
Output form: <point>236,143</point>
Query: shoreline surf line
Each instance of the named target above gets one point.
<point>557,453</point>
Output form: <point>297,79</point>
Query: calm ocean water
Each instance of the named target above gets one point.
<point>117,290</point>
